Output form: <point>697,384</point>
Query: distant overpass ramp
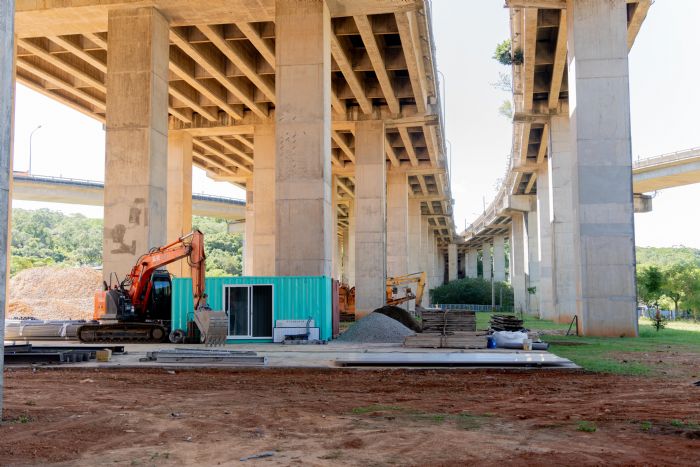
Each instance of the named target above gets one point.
<point>666,171</point>
<point>91,193</point>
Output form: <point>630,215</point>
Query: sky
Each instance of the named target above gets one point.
<point>663,91</point>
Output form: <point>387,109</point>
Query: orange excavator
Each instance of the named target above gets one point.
<point>139,308</point>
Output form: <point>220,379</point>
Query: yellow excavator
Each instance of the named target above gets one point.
<point>394,295</point>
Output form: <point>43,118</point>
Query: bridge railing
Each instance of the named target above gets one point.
<point>669,157</point>
<point>472,307</point>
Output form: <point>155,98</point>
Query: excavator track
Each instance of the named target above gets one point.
<point>123,332</point>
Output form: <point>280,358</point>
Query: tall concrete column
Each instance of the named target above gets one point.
<point>179,197</point>
<point>414,236</point>
<point>303,156</point>
<point>499,258</point>
<point>486,261</point>
<point>370,217</point>
<point>335,243</point>
<point>136,142</point>
<point>264,189</point>
<point>249,235</point>
<point>472,263</point>
<point>533,268</point>
<point>562,219</point>
<point>441,276</point>
<point>425,262</point>
<point>452,262</point>
<point>396,223</point>
<point>7,111</point>
<point>349,265</point>
<point>518,253</point>
<point>545,292</point>
<point>599,108</point>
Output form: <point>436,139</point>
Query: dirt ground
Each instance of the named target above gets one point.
<point>351,417</point>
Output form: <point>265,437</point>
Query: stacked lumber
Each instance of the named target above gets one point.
<point>455,340</point>
<point>506,323</point>
<point>448,322</point>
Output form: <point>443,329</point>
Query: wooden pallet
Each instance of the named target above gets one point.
<point>457,340</point>
<point>445,322</point>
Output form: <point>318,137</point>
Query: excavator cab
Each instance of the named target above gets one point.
<point>160,300</point>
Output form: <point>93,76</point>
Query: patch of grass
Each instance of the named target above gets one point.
<point>586,426</point>
<point>601,354</point>
<point>375,408</point>
<point>645,426</point>
<point>30,403</point>
<point>685,425</point>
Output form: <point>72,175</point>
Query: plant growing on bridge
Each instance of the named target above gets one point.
<point>506,56</point>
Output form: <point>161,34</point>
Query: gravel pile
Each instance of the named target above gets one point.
<point>54,293</point>
<point>376,328</point>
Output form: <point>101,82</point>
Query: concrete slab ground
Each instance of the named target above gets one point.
<point>281,356</point>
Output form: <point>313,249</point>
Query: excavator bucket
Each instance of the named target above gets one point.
<point>213,326</point>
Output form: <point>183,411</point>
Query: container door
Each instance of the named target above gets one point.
<point>237,303</point>
<point>261,315</point>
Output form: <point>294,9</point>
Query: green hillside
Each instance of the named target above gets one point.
<point>667,256</point>
<point>43,237</point>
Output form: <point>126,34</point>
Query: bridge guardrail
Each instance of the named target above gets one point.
<point>669,157</point>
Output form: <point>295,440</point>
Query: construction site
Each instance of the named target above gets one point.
<point>342,339</point>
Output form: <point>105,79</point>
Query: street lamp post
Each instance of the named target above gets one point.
<point>31,135</point>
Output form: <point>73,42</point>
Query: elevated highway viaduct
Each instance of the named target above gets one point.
<point>326,112</point>
<point>567,200</point>
<point>27,187</point>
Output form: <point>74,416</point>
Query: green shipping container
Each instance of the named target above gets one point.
<point>293,297</point>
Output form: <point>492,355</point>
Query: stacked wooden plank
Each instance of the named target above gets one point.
<point>447,322</point>
<point>506,323</point>
<point>455,340</point>
<point>454,329</point>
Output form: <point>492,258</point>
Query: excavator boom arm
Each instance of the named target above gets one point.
<point>190,246</point>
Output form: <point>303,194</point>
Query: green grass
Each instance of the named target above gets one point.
<point>588,427</point>
<point>602,354</point>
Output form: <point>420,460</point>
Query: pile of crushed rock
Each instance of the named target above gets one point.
<point>376,328</point>
<point>54,293</point>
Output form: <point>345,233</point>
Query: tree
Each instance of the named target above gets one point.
<point>650,285</point>
<point>682,284</point>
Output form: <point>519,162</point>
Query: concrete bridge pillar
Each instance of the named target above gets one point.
<point>303,152</point>
<point>425,264</point>
<point>599,108</point>
<point>562,216</point>
<point>518,255</point>
<point>414,236</point>
<point>370,220</point>
<point>396,224</point>
<point>249,235</point>
<point>7,109</point>
<point>441,267</point>
<point>336,245</point>
<point>136,142</point>
<point>486,261</point>
<point>349,258</point>
<point>179,197</point>
<point>263,201</point>
<point>545,293</point>
<point>499,259</point>
<point>472,258</point>
<point>533,267</point>
<point>452,262</point>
